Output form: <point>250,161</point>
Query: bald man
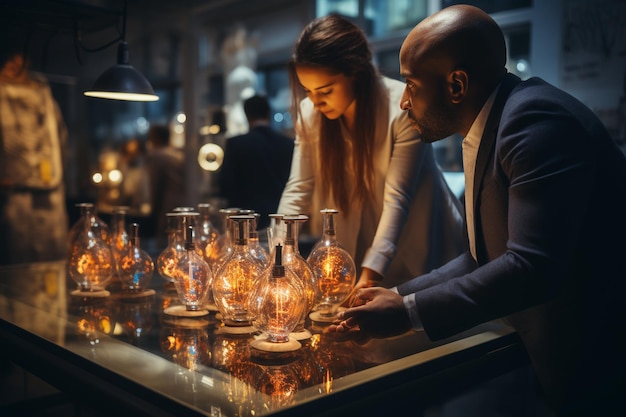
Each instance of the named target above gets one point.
<point>546,217</point>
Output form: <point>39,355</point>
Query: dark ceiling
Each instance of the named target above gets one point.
<point>61,16</point>
<point>94,25</point>
<point>87,16</point>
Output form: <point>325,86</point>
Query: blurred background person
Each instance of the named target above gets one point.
<point>33,211</point>
<point>135,190</point>
<point>256,164</point>
<point>166,174</point>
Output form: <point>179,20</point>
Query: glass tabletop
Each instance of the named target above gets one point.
<point>129,347</point>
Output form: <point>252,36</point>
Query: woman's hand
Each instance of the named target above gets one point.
<point>369,278</point>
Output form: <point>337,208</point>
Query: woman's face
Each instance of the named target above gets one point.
<point>332,94</point>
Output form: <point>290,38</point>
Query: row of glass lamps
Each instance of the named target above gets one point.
<point>229,272</point>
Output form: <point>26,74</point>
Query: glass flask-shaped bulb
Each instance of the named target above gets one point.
<point>334,270</point>
<point>90,262</point>
<point>276,302</point>
<point>225,239</point>
<point>293,260</point>
<point>120,239</point>
<point>207,236</point>
<point>257,250</point>
<point>237,277</point>
<point>275,232</point>
<point>135,267</point>
<point>193,278</point>
<point>88,214</point>
<point>169,257</point>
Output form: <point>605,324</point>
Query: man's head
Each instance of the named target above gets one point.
<point>257,108</point>
<point>158,136</point>
<point>451,61</point>
<point>14,42</point>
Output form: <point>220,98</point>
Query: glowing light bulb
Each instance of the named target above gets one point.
<point>168,259</point>
<point>193,278</point>
<point>277,306</point>
<point>296,263</point>
<point>334,270</point>
<point>135,267</point>
<point>237,277</point>
<point>90,262</point>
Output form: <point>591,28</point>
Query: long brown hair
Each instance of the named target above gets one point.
<point>337,45</point>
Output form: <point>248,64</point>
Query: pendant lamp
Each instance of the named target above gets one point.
<point>122,81</point>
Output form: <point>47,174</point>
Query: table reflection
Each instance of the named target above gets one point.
<point>193,359</point>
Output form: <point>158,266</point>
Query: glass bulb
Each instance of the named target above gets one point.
<point>193,277</point>
<point>275,232</point>
<point>225,239</point>
<point>237,277</point>
<point>88,214</point>
<point>168,259</point>
<point>208,237</point>
<point>296,263</point>
<point>90,262</point>
<point>135,267</point>
<point>333,267</point>
<point>256,249</point>
<point>276,302</point>
<point>120,239</point>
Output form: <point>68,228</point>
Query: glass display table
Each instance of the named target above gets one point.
<point>125,354</point>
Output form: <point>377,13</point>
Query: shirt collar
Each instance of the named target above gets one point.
<point>478,127</point>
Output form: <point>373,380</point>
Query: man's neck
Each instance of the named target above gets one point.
<point>259,122</point>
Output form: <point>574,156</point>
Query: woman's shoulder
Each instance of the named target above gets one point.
<point>306,107</point>
<point>393,84</point>
<point>395,88</point>
<point>309,118</point>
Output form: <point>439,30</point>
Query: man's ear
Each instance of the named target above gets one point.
<point>458,82</point>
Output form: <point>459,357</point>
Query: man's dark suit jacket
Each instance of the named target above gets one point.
<point>550,217</point>
<point>255,170</point>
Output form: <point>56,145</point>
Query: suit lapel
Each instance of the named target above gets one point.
<point>487,143</point>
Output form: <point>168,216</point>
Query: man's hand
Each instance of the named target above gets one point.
<point>382,314</point>
<point>369,278</point>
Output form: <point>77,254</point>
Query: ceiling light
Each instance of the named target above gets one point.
<point>122,81</point>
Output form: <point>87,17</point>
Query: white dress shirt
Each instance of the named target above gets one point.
<point>470,145</point>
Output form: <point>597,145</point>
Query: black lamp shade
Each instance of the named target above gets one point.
<point>122,81</point>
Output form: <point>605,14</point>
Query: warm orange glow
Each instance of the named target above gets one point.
<point>328,382</point>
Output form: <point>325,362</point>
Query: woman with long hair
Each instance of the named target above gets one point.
<point>357,151</point>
